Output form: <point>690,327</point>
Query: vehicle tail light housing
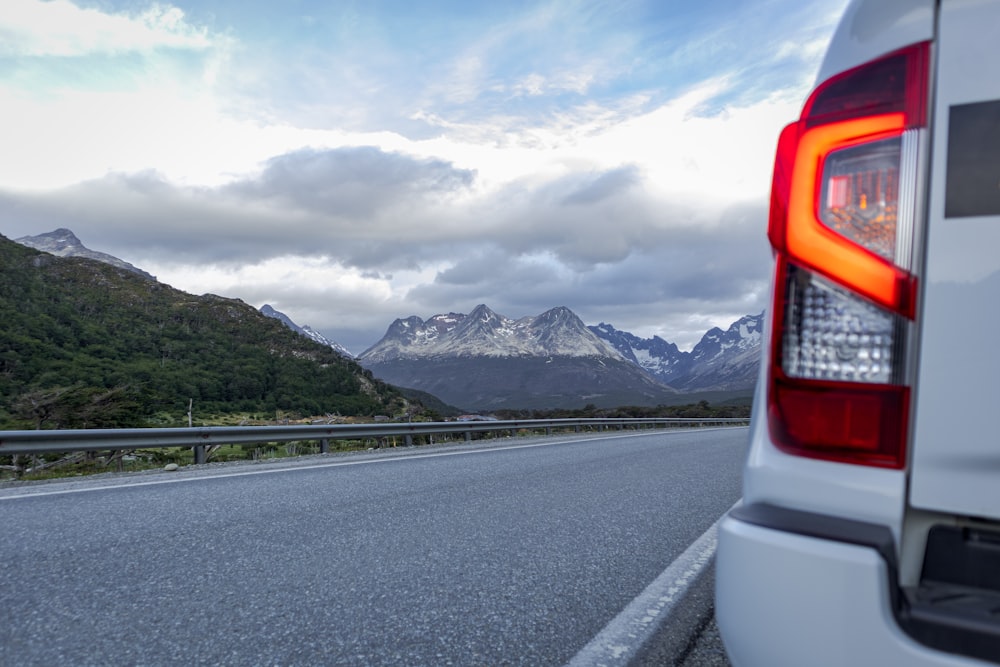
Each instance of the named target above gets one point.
<point>841,225</point>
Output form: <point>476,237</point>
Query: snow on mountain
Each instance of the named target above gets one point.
<point>655,355</point>
<point>305,330</point>
<point>722,360</point>
<point>484,333</point>
<point>485,361</point>
<point>742,335</point>
<point>413,351</point>
<point>64,243</point>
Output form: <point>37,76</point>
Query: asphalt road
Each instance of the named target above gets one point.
<point>515,553</point>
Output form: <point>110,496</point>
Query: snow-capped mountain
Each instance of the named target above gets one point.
<point>64,243</point>
<point>660,358</point>
<point>483,361</point>
<point>305,330</point>
<point>722,360</point>
<point>484,333</point>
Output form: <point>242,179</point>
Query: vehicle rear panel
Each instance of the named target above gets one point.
<point>955,461</point>
<point>905,553</point>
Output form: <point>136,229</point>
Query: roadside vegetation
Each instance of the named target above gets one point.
<point>77,464</point>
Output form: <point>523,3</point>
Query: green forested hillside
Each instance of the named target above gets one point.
<point>84,345</point>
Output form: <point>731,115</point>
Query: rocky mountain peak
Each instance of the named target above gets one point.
<point>560,316</point>
<point>743,334</point>
<point>483,313</point>
<point>64,243</point>
<point>722,360</point>
<point>57,239</point>
<point>485,333</point>
<point>482,327</point>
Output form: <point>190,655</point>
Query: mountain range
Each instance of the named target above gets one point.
<point>721,361</point>
<point>484,333</point>
<point>485,360</point>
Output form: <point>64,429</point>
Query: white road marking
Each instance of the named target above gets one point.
<point>621,639</point>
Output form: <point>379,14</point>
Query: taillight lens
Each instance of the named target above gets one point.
<point>859,194</point>
<point>842,215</point>
<point>831,334</point>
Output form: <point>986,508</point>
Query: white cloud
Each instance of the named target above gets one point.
<point>60,28</point>
<point>536,173</point>
<point>310,277</point>
<point>686,156</point>
<point>318,291</point>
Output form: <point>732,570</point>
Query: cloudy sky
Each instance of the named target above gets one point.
<point>351,162</point>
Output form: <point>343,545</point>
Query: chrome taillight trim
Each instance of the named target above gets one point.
<point>909,160</point>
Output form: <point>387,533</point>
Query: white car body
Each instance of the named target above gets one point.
<point>893,558</point>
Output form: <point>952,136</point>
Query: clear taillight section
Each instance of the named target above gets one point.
<point>842,215</point>
<point>831,334</point>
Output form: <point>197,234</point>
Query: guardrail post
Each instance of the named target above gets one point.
<point>468,436</point>
<point>199,454</point>
<point>324,445</point>
<point>548,430</point>
<point>408,439</point>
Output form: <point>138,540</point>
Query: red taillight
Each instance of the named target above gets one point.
<point>841,225</point>
<point>835,390</point>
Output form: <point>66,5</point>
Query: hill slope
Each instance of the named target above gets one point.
<point>305,330</point>
<point>88,344</point>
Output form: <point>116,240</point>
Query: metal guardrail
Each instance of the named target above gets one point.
<point>38,442</point>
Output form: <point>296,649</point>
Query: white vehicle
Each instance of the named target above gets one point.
<point>869,532</point>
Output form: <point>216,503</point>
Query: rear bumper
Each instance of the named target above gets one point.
<point>799,589</point>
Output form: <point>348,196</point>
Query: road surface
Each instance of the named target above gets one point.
<point>517,552</point>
